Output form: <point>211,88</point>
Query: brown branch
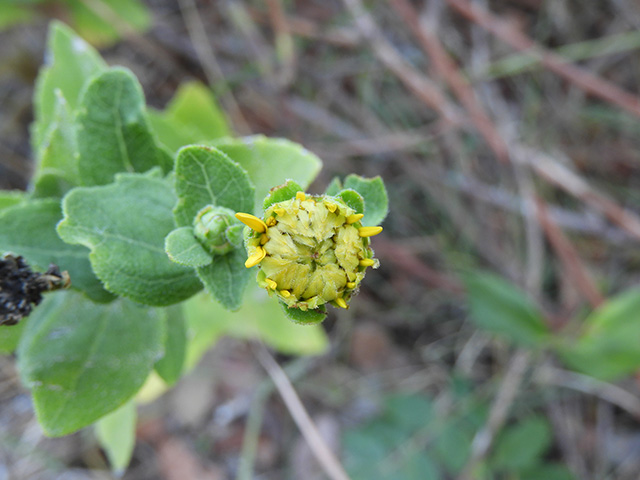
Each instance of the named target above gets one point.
<point>580,77</point>
<point>449,71</point>
<point>569,258</point>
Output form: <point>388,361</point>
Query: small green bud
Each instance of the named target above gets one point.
<point>216,229</point>
<point>311,250</point>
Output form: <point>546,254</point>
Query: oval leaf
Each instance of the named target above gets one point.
<point>112,130</point>
<point>281,193</point>
<point>206,176</point>
<point>83,360</point>
<point>169,367</point>
<point>376,202</point>
<point>185,249</point>
<point>226,278</point>
<point>270,162</point>
<point>498,307</point>
<point>125,224</point>
<point>305,317</point>
<point>116,433</point>
<point>354,200</point>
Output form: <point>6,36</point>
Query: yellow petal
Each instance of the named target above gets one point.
<point>341,303</point>
<point>351,285</point>
<point>367,262</point>
<point>272,285</point>
<point>251,221</point>
<point>255,258</point>
<point>369,231</point>
<point>285,293</point>
<point>271,221</point>
<point>354,218</point>
<point>301,196</point>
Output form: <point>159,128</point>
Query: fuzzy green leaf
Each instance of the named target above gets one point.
<point>112,130</point>
<point>281,193</point>
<point>169,367</point>
<point>57,171</point>
<point>334,187</point>
<point>83,360</point>
<point>376,202</point>
<point>226,278</point>
<point>270,162</point>
<point>184,248</point>
<point>305,317</point>
<point>498,307</point>
<point>29,229</point>
<point>608,349</point>
<point>71,62</point>
<point>353,199</point>
<point>8,198</point>
<point>206,176</point>
<point>191,117</point>
<point>116,433</point>
<point>125,224</point>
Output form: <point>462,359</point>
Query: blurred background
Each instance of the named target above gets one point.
<point>508,135</point>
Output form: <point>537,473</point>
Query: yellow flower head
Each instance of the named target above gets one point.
<point>311,250</point>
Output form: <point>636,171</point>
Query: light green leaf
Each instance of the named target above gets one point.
<point>522,445</point>
<point>271,162</point>
<point>305,317</point>
<point>547,472</point>
<point>125,224</point>
<point>184,248</point>
<point>116,433</point>
<point>15,15</point>
<point>608,348</point>
<point>83,360</point>
<point>8,198</point>
<point>10,336</point>
<point>191,117</point>
<point>57,171</point>
<point>169,367</point>
<point>226,278</point>
<point>376,202</point>
<point>96,21</point>
<point>281,193</point>
<point>29,229</point>
<point>112,129</point>
<point>260,317</point>
<point>206,176</point>
<point>354,200</point>
<point>334,187</point>
<point>498,307</point>
<point>70,63</point>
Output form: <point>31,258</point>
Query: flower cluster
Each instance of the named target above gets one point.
<point>311,250</point>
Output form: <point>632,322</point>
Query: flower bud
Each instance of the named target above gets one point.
<point>216,229</point>
<point>311,250</point>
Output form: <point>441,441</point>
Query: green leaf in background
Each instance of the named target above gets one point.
<point>522,445</point>
<point>70,62</point>
<point>29,229</point>
<point>57,170</point>
<point>112,130</point>
<point>354,200</point>
<point>14,15</point>
<point>547,472</point>
<point>305,317</point>
<point>125,224</point>
<point>184,248</point>
<point>170,366</point>
<point>192,116</point>
<point>609,348</point>
<point>83,360</point>
<point>271,162</point>
<point>102,21</point>
<point>206,176</point>
<point>8,198</point>
<point>281,193</point>
<point>334,187</point>
<point>376,202</point>
<point>116,433</point>
<point>10,336</point>
<point>498,307</point>
<point>226,278</point>
<point>260,317</point>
